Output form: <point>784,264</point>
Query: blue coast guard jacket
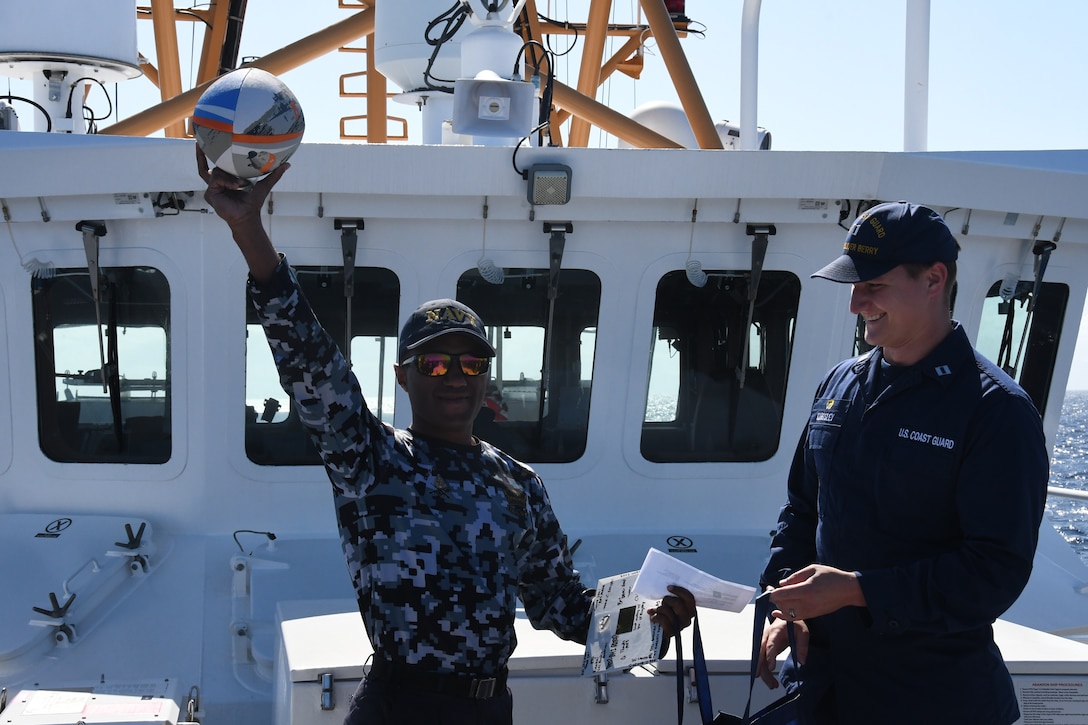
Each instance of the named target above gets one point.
<point>440,540</point>
<point>932,491</point>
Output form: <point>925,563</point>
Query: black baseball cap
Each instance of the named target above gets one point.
<point>436,318</point>
<point>887,236</point>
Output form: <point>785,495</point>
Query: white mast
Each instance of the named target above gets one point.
<point>916,77</point>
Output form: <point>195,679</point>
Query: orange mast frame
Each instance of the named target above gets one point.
<point>578,104</point>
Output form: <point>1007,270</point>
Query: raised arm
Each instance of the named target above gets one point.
<point>239,205</point>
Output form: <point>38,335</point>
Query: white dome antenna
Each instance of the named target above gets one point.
<point>95,42</point>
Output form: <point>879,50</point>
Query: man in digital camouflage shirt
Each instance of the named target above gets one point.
<point>442,532</point>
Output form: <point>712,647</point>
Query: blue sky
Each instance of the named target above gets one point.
<point>831,72</point>
<point>1003,74</point>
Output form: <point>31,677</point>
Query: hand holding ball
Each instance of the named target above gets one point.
<point>248,122</point>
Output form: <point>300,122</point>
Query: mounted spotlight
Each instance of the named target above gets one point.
<point>491,106</point>
<point>548,184</point>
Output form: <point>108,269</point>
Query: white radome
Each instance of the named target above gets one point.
<point>248,122</point>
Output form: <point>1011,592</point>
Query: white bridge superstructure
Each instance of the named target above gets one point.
<point>166,536</point>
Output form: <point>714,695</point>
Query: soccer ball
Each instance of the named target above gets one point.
<point>248,122</point>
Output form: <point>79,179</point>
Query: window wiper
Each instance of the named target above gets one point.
<point>111,371</point>
<point>92,230</point>
<point>111,379</point>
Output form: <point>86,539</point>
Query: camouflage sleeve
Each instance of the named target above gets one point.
<point>318,379</point>
<point>550,587</point>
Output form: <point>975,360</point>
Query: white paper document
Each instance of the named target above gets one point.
<point>659,570</point>
<point>621,634</point>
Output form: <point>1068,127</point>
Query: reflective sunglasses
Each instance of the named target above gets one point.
<point>437,364</point>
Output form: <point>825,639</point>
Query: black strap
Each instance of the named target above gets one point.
<point>764,607</point>
<point>702,677</point>
<point>679,675</point>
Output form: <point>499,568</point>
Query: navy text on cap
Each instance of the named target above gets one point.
<point>436,318</point>
<point>887,236</point>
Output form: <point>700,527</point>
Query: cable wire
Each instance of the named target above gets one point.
<point>452,20</point>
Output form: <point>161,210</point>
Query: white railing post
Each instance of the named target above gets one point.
<point>749,76</point>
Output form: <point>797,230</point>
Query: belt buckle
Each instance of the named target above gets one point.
<point>483,689</point>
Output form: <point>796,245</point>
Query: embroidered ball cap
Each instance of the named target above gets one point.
<point>887,236</point>
<point>437,318</point>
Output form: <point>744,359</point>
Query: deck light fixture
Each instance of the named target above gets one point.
<point>548,184</point>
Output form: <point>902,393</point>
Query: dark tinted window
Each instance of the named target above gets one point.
<point>539,393</point>
<point>103,365</point>
<point>718,367</point>
<point>1020,331</point>
<point>274,434</point>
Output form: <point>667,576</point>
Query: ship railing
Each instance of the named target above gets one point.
<point>1073,493</point>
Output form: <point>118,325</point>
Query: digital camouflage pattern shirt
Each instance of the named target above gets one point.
<point>440,540</point>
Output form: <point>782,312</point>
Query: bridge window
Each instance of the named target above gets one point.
<point>274,434</point>
<point>1020,331</point>
<point>537,408</point>
<point>718,367</point>
<point>103,369</point>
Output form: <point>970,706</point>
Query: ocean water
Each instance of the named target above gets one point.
<point>1069,469</point>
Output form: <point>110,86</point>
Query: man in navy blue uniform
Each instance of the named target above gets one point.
<point>914,501</point>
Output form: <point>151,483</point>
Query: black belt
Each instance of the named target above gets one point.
<point>444,683</point>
